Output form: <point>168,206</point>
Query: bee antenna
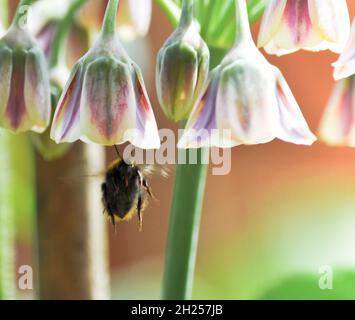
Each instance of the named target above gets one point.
<point>118,152</point>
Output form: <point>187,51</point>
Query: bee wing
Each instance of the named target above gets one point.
<point>149,170</point>
<point>73,175</point>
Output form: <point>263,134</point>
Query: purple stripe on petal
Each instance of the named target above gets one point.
<point>70,106</point>
<point>298,19</point>
<point>206,111</point>
<point>107,95</point>
<point>16,107</point>
<point>143,104</point>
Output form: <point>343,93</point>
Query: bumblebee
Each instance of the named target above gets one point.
<point>125,191</point>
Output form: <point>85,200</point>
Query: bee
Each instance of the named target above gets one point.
<point>125,191</point>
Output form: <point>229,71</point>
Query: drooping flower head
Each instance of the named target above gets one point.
<point>105,100</point>
<point>246,97</point>
<point>24,83</point>
<point>291,25</point>
<point>182,68</point>
<point>337,126</point>
<point>345,66</point>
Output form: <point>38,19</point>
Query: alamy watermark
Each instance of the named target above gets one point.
<point>25,278</point>
<point>169,154</point>
<point>326,277</point>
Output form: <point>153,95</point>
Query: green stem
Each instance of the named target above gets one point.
<point>109,25</point>
<point>7,239</point>
<point>63,28</point>
<point>242,20</point>
<point>184,229</point>
<point>21,12</point>
<point>171,9</point>
<point>187,14</point>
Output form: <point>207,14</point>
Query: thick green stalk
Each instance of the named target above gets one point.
<point>62,32</point>
<point>183,234</point>
<point>7,241</point>
<point>109,25</point>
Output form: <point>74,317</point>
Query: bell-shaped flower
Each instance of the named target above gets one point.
<point>134,17</point>
<point>247,101</point>
<point>24,84</point>
<point>345,66</point>
<point>105,100</point>
<point>291,25</point>
<point>337,126</point>
<point>182,68</point>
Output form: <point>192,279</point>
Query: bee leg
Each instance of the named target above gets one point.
<point>148,189</point>
<point>113,221</point>
<point>139,211</point>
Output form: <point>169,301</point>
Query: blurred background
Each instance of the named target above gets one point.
<point>269,228</point>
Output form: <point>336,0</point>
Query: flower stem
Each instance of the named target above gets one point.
<point>187,14</point>
<point>171,10</point>
<point>183,234</point>
<point>7,241</point>
<point>21,13</point>
<point>242,28</point>
<point>109,25</point>
<point>62,31</point>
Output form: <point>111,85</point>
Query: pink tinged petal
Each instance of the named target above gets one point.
<point>115,108</point>
<point>293,127</point>
<point>107,108</point>
<point>295,29</point>
<point>331,23</point>
<point>298,20</point>
<point>37,91</point>
<point>307,24</point>
<point>5,80</point>
<point>337,124</point>
<point>147,136</point>
<point>246,103</point>
<point>271,22</point>
<point>66,122</point>
<point>16,117</point>
<point>202,121</point>
<point>345,66</point>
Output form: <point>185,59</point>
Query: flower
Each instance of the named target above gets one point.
<point>345,66</point>
<point>134,16</point>
<point>24,84</point>
<point>291,25</point>
<point>105,100</point>
<point>246,97</point>
<point>337,126</point>
<point>182,68</point>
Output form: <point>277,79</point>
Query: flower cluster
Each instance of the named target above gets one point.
<point>105,101</point>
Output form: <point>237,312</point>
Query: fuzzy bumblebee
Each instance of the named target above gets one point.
<point>125,192</point>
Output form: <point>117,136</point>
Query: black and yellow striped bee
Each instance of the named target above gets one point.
<point>125,191</point>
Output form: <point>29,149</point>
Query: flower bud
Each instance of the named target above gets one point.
<point>291,25</point>
<point>105,100</point>
<point>24,83</point>
<point>182,68</point>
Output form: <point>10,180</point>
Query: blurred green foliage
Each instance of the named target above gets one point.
<point>23,188</point>
<point>295,229</point>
